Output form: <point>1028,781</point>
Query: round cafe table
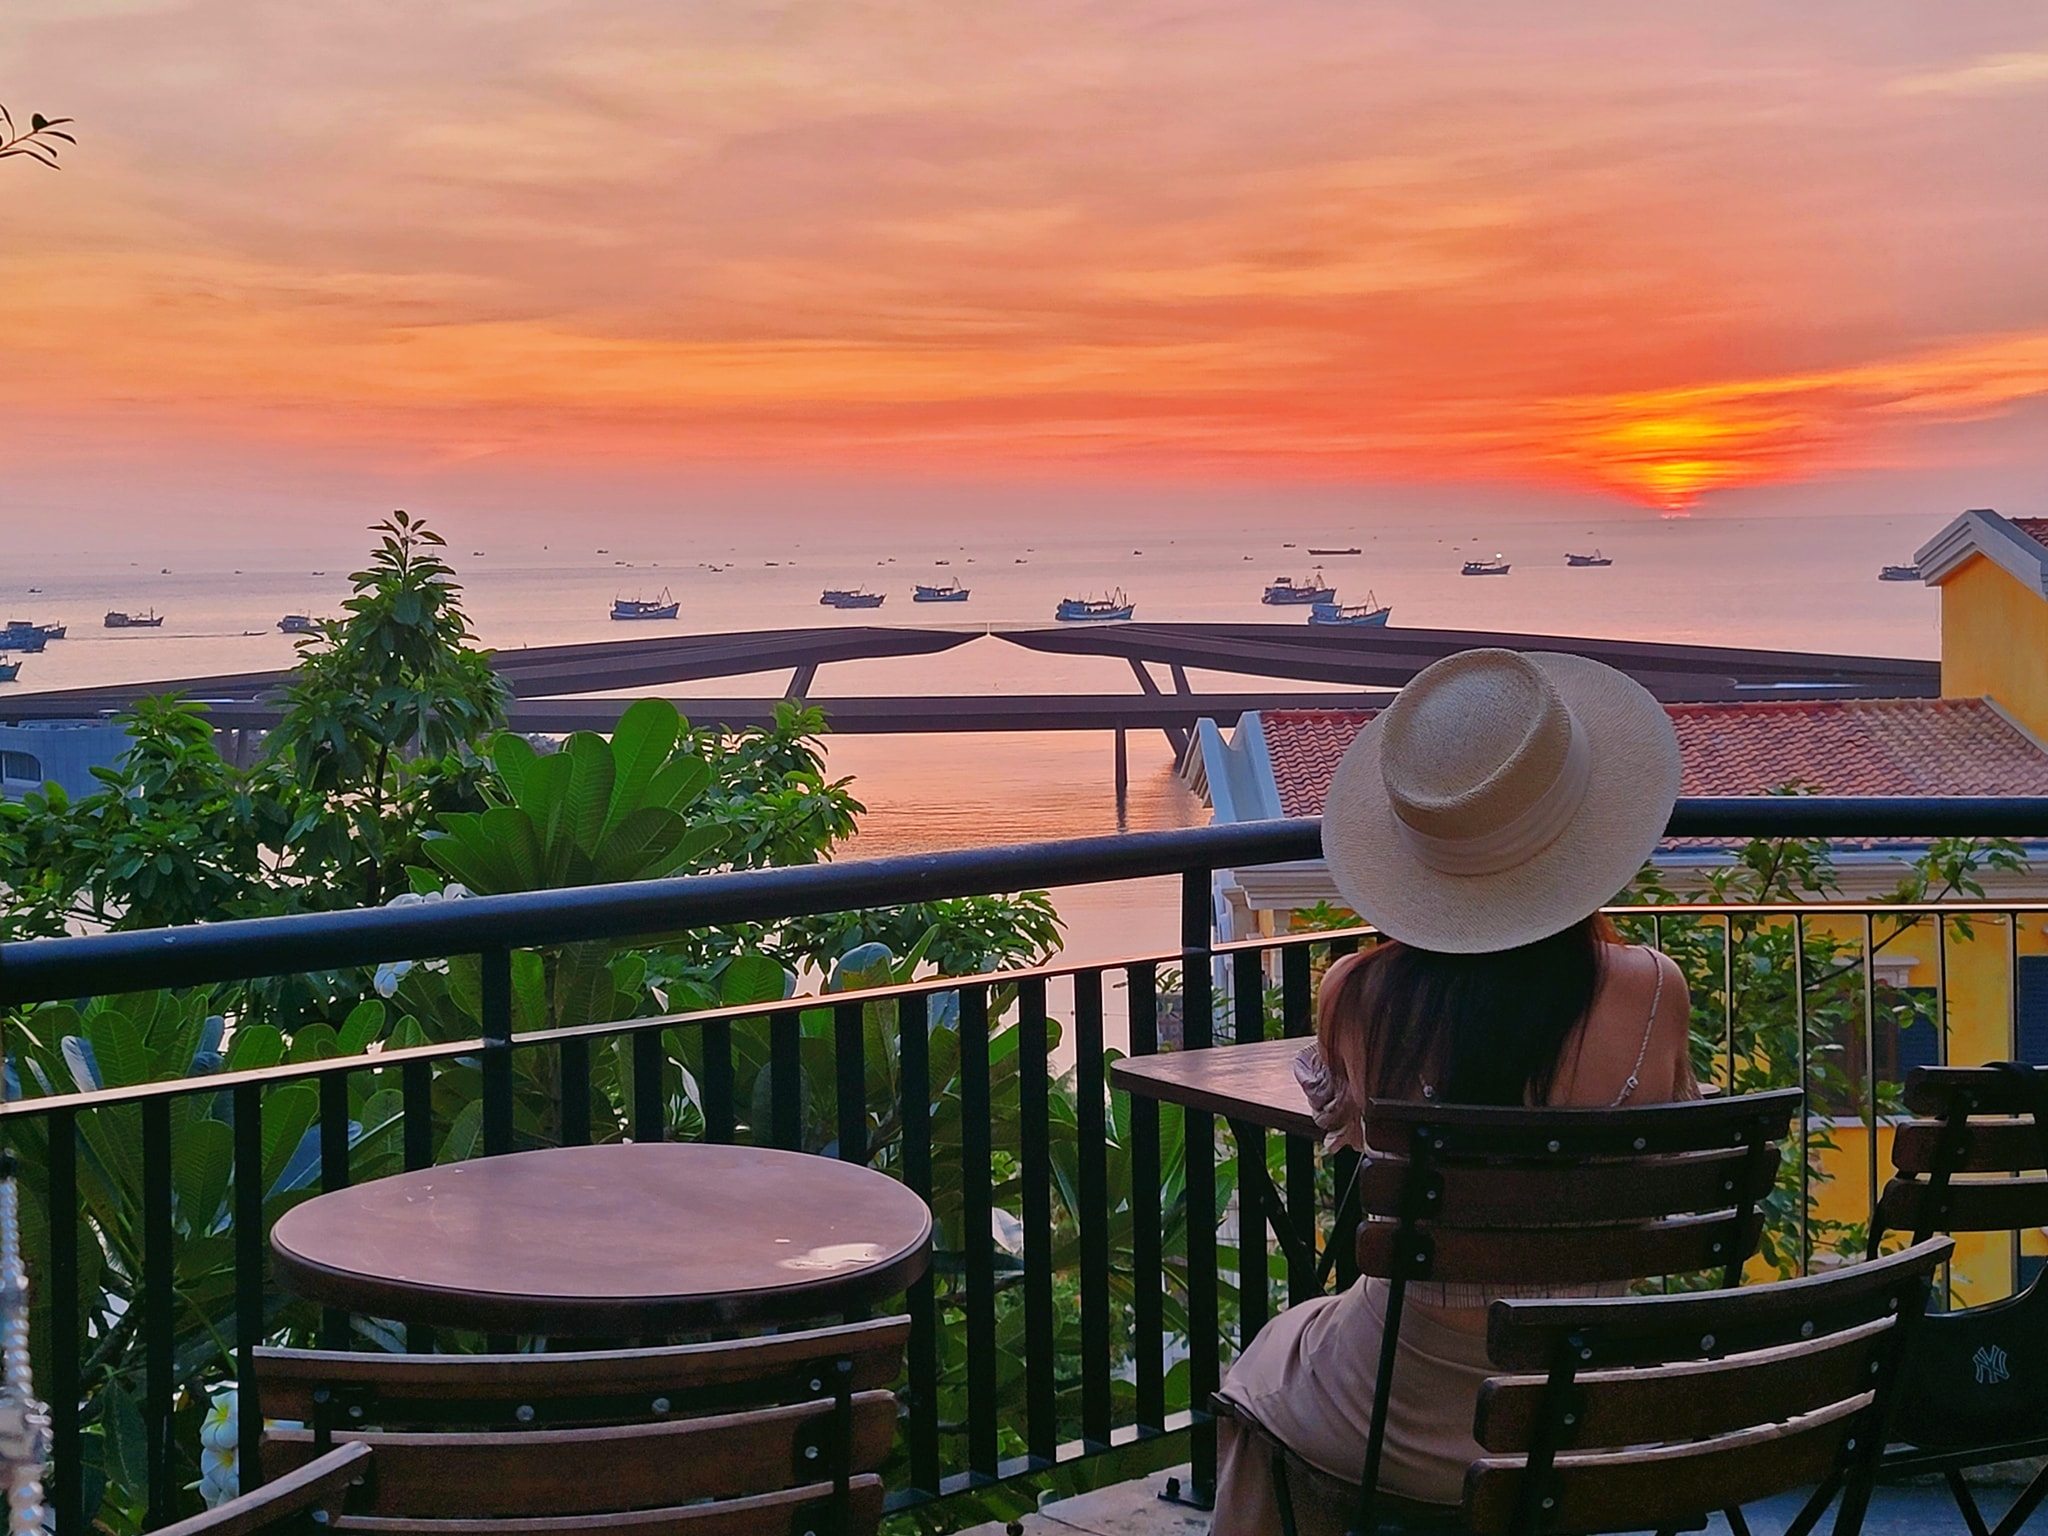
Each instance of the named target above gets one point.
<point>609,1241</point>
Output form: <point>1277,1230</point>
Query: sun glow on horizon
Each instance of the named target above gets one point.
<point>1655,261</point>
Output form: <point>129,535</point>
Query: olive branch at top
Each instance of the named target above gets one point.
<point>38,142</point>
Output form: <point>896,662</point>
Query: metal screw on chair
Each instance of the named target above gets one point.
<point>1707,1342</point>
<point>1571,1419</point>
<point>1429,1194</point>
<point>810,1453</point>
<point>1550,1503</point>
<point>523,1413</point>
<point>1715,1249</point>
<point>1849,1445</point>
<point>1641,1143</point>
<point>321,1517</point>
<point>1585,1354</point>
<point>355,1410</point>
<point>660,1405</point>
<point>1553,1145</point>
<point>1806,1330</point>
<point>817,1385</point>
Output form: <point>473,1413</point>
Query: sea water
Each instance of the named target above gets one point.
<point>1798,583</point>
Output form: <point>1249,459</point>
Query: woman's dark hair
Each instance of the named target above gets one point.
<point>1476,1029</point>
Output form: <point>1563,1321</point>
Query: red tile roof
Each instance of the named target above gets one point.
<point>2035,528</point>
<point>1839,747</point>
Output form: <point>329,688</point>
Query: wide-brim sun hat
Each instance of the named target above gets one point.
<point>1501,798</point>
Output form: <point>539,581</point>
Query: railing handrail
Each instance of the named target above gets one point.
<point>37,970</point>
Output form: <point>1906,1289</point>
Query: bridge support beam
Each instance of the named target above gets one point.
<point>800,681</point>
<point>1123,777</point>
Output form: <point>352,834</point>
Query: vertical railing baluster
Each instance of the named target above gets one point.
<point>849,1057</point>
<point>786,1081</point>
<point>650,1098</point>
<point>247,1103</point>
<point>1941,984</point>
<point>1148,1274</point>
<point>2012,1053</point>
<point>716,1038</point>
<point>496,966</point>
<point>1870,1062</point>
<point>1041,1345</point>
<point>67,1490</point>
<point>913,1065</point>
<point>1091,1127</point>
<point>1805,1091</point>
<point>334,1321</point>
<point>416,1099</point>
<point>572,1091</point>
<point>1297,1004</point>
<point>159,1309</point>
<point>1248,1025</point>
<point>1198,1031</point>
<point>978,1242</point>
<point>1728,994</point>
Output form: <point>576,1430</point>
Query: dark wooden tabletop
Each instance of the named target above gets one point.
<point>610,1241</point>
<point>1252,1082</point>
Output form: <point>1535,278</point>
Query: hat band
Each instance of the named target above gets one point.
<point>1528,834</point>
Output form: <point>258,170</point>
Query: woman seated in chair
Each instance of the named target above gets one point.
<point>1479,822</point>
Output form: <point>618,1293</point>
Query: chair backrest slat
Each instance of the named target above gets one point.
<point>1986,1146</point>
<point>1653,1411</point>
<point>1990,1205</point>
<point>582,1387</point>
<point>1693,1400</point>
<point>792,1512</point>
<point>1657,1129</point>
<point>292,1503</point>
<point>1562,1255</point>
<point>1990,1090</point>
<point>1591,1191</point>
<point>451,1476</point>
<point>1666,1486</point>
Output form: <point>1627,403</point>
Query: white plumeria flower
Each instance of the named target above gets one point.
<point>392,972</point>
<point>220,1477</point>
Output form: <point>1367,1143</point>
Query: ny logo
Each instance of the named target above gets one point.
<point>1991,1366</point>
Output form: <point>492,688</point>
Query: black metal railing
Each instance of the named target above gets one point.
<point>1116,1204</point>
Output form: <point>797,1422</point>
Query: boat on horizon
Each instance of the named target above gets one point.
<point>21,635</point>
<point>1114,605</point>
<point>1371,612</point>
<point>116,619</point>
<point>1494,567</point>
<point>1899,573</point>
<point>298,624</point>
<point>1353,550</point>
<point>1595,558</point>
<point>47,631</point>
<point>1283,590</point>
<point>9,671</point>
<point>851,597</point>
<point>950,592</point>
<point>662,607</point>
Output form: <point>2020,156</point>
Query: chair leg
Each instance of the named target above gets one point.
<point>1816,1506</point>
<point>1283,1493</point>
<point>1967,1503</point>
<point>1738,1523</point>
<point>2024,1506</point>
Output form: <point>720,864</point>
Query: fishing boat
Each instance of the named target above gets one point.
<point>9,671</point>
<point>1899,573</point>
<point>951,592</point>
<point>1113,606</point>
<point>662,607</point>
<point>1595,558</point>
<point>1353,550</point>
<point>1282,590</point>
<point>298,624</point>
<point>1372,611</point>
<point>853,597</point>
<point>116,619</point>
<point>20,635</point>
<point>1494,567</point>
<point>47,631</point>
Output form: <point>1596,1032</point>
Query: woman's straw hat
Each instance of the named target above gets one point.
<point>1501,798</point>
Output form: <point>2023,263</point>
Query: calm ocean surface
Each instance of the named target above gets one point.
<point>1804,583</point>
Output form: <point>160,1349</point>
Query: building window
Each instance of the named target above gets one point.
<point>25,766</point>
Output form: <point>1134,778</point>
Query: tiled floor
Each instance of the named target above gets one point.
<point>1136,1509</point>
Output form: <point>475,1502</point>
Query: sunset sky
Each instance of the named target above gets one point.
<point>1645,252</point>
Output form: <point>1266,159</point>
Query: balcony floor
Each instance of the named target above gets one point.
<point>1136,1509</point>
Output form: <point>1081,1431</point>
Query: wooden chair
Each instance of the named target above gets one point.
<point>1976,1387</point>
<point>1504,1197</point>
<point>1653,1411</point>
<point>300,1503</point>
<point>775,1436</point>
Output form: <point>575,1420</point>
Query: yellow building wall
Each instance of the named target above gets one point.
<point>1994,642</point>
